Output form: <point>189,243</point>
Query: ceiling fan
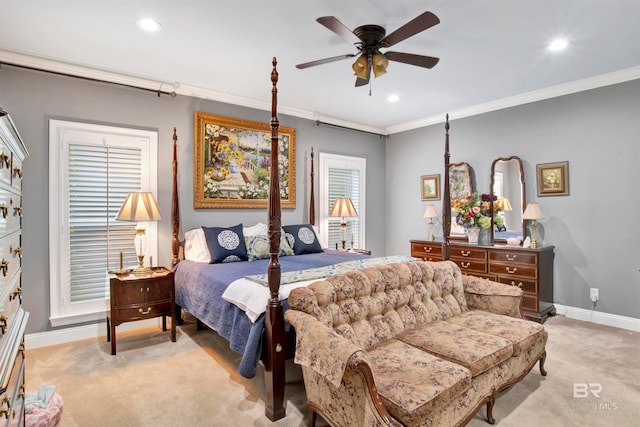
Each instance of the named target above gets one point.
<point>369,39</point>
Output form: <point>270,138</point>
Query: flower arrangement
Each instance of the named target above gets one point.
<point>474,210</point>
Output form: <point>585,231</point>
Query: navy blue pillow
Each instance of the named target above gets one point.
<point>302,239</point>
<point>226,244</point>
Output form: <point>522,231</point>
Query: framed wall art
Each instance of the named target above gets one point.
<point>553,179</point>
<point>232,162</point>
<point>430,187</point>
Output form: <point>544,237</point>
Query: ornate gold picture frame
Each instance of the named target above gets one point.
<point>232,163</point>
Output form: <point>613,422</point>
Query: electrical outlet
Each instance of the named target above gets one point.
<point>594,294</point>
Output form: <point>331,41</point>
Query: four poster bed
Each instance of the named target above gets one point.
<point>241,302</point>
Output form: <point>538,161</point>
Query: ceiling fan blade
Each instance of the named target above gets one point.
<point>411,59</point>
<point>361,82</point>
<point>332,23</point>
<point>324,61</point>
<point>416,25</point>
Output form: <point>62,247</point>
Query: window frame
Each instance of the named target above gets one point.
<point>61,134</point>
<point>338,161</point>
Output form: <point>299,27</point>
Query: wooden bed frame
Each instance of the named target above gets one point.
<point>278,344</point>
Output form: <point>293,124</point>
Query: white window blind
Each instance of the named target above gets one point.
<point>344,183</point>
<point>92,169</point>
<point>341,176</point>
<point>100,177</point>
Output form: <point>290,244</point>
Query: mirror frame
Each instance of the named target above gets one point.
<point>523,195</point>
<point>458,236</point>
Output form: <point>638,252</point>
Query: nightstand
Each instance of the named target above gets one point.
<point>141,297</point>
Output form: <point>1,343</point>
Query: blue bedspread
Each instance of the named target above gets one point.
<point>199,289</point>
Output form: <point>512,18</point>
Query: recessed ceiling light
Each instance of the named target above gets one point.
<point>558,44</point>
<point>393,98</point>
<point>149,25</point>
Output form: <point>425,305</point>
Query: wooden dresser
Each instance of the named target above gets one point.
<point>13,318</point>
<point>529,269</point>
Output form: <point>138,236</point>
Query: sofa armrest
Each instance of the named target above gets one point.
<point>321,348</point>
<point>487,295</point>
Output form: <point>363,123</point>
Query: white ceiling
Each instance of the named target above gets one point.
<point>492,52</point>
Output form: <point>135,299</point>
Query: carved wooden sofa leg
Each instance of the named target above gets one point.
<point>542,359</point>
<point>490,403</point>
<point>313,416</point>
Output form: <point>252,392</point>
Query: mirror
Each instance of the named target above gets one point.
<point>507,185</point>
<point>460,186</point>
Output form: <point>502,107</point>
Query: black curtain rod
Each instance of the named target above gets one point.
<point>318,123</point>
<point>91,79</point>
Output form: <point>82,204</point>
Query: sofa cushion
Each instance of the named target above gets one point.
<point>476,351</point>
<point>522,334</point>
<point>412,382</point>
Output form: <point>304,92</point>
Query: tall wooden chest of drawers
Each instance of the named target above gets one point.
<point>13,318</point>
<point>529,269</point>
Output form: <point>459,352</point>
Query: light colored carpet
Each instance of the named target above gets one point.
<point>194,382</point>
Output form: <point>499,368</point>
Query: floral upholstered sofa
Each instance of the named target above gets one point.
<point>414,344</point>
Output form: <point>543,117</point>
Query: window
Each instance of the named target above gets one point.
<point>341,176</point>
<point>92,168</point>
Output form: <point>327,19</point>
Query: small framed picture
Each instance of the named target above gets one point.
<point>553,179</point>
<point>430,187</point>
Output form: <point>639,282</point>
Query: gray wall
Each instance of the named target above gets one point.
<point>594,229</point>
<point>32,98</point>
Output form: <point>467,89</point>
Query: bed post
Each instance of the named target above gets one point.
<point>446,198</point>
<point>175,211</point>
<point>274,359</point>
<point>312,202</point>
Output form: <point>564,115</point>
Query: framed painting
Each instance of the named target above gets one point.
<point>232,162</point>
<point>553,179</point>
<point>430,187</point>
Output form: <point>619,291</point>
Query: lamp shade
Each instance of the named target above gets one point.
<point>533,212</point>
<point>506,205</point>
<point>343,207</point>
<point>379,64</point>
<point>139,207</point>
<point>430,212</point>
<point>361,67</point>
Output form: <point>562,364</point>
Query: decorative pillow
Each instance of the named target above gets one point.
<point>195,246</point>
<point>258,247</point>
<point>254,230</point>
<point>226,244</point>
<point>302,239</point>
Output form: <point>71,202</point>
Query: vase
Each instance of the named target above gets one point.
<point>472,234</point>
<point>484,237</point>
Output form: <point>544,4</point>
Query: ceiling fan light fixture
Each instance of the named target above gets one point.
<point>360,67</point>
<point>380,64</point>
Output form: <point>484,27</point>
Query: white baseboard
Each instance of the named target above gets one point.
<point>96,330</point>
<point>599,317</point>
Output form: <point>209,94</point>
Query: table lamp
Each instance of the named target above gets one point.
<point>430,213</point>
<point>533,213</point>
<point>343,207</point>
<point>140,207</point>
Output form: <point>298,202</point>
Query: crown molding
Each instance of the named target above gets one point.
<point>602,80</point>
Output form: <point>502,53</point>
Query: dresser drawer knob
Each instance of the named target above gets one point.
<point>147,311</point>
<point>427,249</point>
<point>511,271</point>
<point>16,251</point>
<point>520,284</point>
<point>512,257</point>
<point>5,160</point>
<point>465,264</point>
<point>17,172</point>
<point>4,209</point>
<point>4,266</point>
<point>5,406</point>
<point>17,211</point>
<point>465,253</point>
<point>15,294</point>
<point>3,323</point>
